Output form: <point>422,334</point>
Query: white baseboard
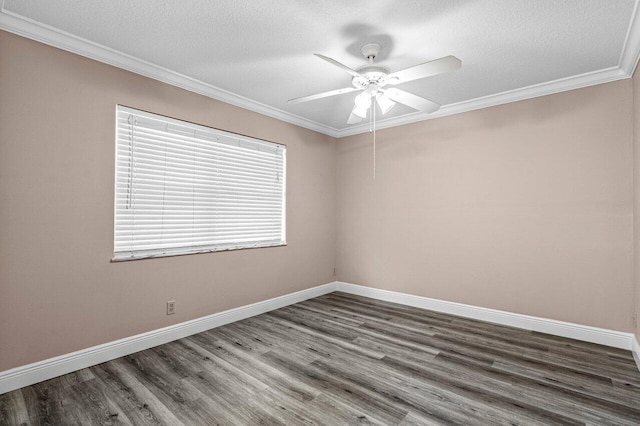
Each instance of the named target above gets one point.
<point>616,339</point>
<point>53,367</point>
<point>636,351</point>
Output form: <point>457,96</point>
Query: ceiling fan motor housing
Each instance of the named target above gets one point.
<point>372,73</point>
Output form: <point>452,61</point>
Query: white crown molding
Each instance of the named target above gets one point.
<point>29,28</point>
<point>46,34</point>
<point>631,48</point>
<point>602,336</point>
<point>629,58</point>
<point>542,89</point>
<point>26,375</point>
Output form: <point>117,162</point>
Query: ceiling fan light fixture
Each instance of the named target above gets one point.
<point>384,103</point>
<point>362,104</point>
<point>361,110</point>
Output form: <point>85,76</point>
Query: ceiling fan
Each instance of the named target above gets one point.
<point>374,80</point>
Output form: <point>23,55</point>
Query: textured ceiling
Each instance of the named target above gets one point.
<point>264,50</point>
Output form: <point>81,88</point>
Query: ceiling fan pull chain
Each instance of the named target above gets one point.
<point>373,114</point>
<point>371,121</point>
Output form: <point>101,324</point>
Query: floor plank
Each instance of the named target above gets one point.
<point>346,359</point>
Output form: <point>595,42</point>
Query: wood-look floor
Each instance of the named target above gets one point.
<point>343,359</point>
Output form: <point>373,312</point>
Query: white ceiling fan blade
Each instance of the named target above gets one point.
<point>427,69</point>
<point>411,100</point>
<point>362,103</point>
<point>339,65</point>
<point>353,119</point>
<point>322,95</point>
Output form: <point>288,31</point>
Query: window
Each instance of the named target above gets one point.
<point>184,188</point>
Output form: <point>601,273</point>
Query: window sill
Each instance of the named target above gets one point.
<point>160,256</point>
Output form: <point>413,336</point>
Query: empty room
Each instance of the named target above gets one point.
<point>319,212</point>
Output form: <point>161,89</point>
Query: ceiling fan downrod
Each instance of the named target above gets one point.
<point>370,51</point>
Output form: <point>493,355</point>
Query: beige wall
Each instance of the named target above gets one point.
<point>525,207</point>
<point>58,290</point>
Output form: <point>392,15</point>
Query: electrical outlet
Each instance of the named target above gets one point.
<point>334,272</point>
<point>171,307</point>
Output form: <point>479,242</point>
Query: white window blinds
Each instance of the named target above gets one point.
<point>183,188</point>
